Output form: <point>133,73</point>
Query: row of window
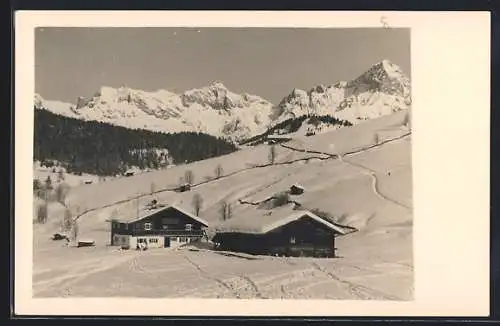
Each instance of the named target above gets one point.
<point>149,226</point>
<point>146,240</point>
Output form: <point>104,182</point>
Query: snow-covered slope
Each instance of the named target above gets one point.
<point>217,111</point>
<point>369,188</point>
<point>381,90</point>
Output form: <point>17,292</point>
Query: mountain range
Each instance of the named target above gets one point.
<point>215,110</point>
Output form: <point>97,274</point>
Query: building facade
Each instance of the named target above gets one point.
<point>299,234</point>
<point>161,227</point>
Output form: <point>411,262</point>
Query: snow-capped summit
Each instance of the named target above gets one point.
<point>216,110</point>
<point>57,107</point>
<point>381,90</point>
<point>212,109</point>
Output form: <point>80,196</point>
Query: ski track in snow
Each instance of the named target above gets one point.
<point>68,279</point>
<point>358,290</point>
<point>206,275</point>
<point>247,282</point>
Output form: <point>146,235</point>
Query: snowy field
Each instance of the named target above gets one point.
<point>369,186</point>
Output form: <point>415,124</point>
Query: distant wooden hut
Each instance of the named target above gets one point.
<point>184,187</point>
<point>296,189</point>
<point>284,231</point>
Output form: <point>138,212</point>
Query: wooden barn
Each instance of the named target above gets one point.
<point>296,189</point>
<point>157,226</point>
<point>283,231</point>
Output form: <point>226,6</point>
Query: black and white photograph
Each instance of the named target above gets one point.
<point>223,163</point>
<point>226,162</point>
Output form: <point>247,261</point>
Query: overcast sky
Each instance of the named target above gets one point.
<point>72,62</point>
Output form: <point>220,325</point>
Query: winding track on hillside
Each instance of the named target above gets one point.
<point>375,183</point>
<point>325,156</point>
<point>372,173</point>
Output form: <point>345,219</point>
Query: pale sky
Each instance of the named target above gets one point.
<point>269,62</point>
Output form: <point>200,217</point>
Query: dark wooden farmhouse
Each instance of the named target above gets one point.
<point>283,231</point>
<point>157,226</point>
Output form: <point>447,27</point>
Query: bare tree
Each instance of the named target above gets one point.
<point>37,185</point>
<point>42,213</point>
<point>67,220</point>
<point>189,177</point>
<point>272,154</point>
<point>74,230</point>
<point>225,210</point>
<point>48,183</point>
<point>219,171</point>
<point>60,176</point>
<point>62,191</point>
<point>197,203</point>
<point>407,120</point>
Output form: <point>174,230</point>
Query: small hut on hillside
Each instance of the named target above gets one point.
<point>296,189</point>
<point>284,231</point>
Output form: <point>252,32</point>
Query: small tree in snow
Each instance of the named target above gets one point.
<point>74,231</point>
<point>60,176</point>
<point>42,213</point>
<point>407,120</point>
<point>272,154</point>
<point>225,210</point>
<point>218,171</point>
<point>152,188</point>
<point>48,184</point>
<point>62,191</point>
<point>189,177</point>
<point>67,220</point>
<point>37,185</point>
<point>197,203</point>
<point>376,138</point>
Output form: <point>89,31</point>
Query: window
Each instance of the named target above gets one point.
<point>153,240</point>
<point>292,240</point>
<point>147,226</point>
<point>126,226</point>
<point>189,227</point>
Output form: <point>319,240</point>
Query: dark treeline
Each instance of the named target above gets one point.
<point>103,149</point>
<point>294,124</point>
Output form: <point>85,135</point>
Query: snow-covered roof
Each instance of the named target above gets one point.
<point>297,185</point>
<point>260,221</point>
<point>147,212</point>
